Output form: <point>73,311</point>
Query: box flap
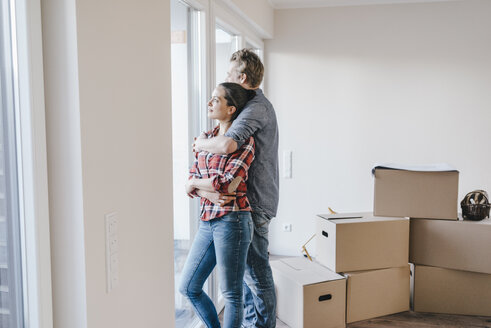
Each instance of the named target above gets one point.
<point>356,217</point>
<point>440,167</point>
<point>303,271</point>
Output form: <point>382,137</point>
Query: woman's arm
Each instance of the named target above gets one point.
<point>202,184</point>
<point>208,185</point>
<point>194,174</point>
<point>235,171</point>
<point>216,197</point>
<point>237,167</point>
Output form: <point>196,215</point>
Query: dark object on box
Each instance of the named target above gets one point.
<point>475,205</point>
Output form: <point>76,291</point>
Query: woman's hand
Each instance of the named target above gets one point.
<point>217,198</point>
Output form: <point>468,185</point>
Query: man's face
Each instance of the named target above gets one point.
<point>233,73</point>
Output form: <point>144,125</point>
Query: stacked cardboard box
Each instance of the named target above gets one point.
<point>452,258</point>
<point>372,253</point>
<point>452,261</point>
<point>416,191</point>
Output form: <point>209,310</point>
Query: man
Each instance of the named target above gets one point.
<point>258,119</point>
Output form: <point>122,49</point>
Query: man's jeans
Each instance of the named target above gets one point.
<point>223,242</point>
<point>259,293</point>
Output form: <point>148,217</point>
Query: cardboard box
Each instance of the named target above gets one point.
<point>309,295</point>
<point>442,290</point>
<point>459,245</point>
<point>360,241</point>
<point>376,293</point>
<point>416,192</point>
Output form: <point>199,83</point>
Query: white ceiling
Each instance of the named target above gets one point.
<point>282,4</point>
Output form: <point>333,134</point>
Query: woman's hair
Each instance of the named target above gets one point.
<point>236,96</point>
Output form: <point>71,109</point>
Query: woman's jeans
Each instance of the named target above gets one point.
<point>224,242</point>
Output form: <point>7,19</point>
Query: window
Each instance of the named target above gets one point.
<point>11,282</point>
<point>193,80</point>
<point>256,50</point>
<point>11,301</point>
<point>226,45</point>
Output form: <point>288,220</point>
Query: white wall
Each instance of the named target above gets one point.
<point>259,12</point>
<point>353,86</point>
<point>107,66</point>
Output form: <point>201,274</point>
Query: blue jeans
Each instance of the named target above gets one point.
<point>259,293</point>
<point>224,242</point>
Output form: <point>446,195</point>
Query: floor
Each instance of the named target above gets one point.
<point>410,319</point>
<point>184,313</point>
<point>424,320</point>
<point>414,320</point>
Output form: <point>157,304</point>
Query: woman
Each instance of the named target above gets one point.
<point>226,229</point>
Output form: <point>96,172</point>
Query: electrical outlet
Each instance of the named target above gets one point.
<point>287,227</point>
<point>113,244</point>
<point>114,263</point>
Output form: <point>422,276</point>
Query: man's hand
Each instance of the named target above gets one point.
<point>190,186</point>
<point>196,143</point>
<point>216,145</point>
<point>217,198</point>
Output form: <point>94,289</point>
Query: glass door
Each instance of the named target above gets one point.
<point>188,120</point>
<point>11,268</point>
<point>226,43</point>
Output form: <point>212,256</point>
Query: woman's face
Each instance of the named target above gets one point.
<point>217,106</point>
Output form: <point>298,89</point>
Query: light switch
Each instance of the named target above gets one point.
<point>287,164</point>
<point>112,251</point>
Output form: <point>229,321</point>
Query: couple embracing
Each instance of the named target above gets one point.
<point>235,173</point>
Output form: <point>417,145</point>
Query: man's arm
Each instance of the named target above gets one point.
<point>251,119</point>
<point>215,145</point>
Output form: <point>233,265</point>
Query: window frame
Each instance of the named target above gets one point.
<point>32,166</point>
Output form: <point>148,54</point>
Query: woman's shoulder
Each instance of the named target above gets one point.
<point>248,144</point>
<point>213,132</point>
<point>250,140</point>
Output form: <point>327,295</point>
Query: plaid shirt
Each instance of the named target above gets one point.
<point>223,169</point>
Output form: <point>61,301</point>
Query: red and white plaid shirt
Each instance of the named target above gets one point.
<point>223,169</point>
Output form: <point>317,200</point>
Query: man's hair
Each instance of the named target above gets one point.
<point>250,64</point>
